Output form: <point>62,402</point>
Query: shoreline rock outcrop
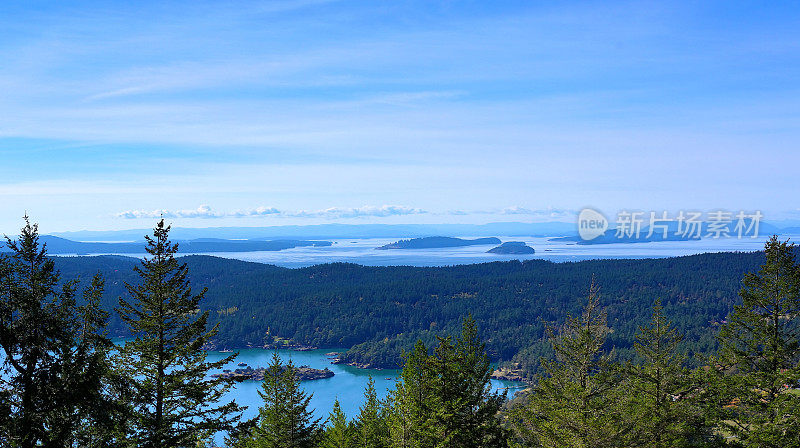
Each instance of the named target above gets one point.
<point>304,373</point>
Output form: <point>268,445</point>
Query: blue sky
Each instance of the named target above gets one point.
<point>293,112</point>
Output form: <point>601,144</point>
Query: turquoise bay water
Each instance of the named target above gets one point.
<point>347,384</point>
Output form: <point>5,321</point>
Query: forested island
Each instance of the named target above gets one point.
<point>435,242</point>
<point>303,373</point>
<point>512,248</point>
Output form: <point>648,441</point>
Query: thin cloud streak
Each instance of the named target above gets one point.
<point>205,211</point>
<point>549,212</point>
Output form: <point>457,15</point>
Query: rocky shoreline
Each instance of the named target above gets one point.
<point>304,373</point>
<point>512,373</point>
<point>335,358</point>
<point>214,346</point>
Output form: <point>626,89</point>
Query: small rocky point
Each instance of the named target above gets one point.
<point>304,373</point>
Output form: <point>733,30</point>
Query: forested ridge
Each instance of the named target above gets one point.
<point>381,311</point>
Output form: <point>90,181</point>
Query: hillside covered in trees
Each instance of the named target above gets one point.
<point>377,312</point>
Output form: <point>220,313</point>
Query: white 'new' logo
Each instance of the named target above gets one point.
<point>591,224</point>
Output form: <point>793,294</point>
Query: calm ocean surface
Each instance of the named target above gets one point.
<point>362,251</point>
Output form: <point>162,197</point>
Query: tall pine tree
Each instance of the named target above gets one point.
<point>54,354</point>
<point>371,423</point>
<point>444,399</point>
<point>662,391</point>
<point>411,404</point>
<point>581,400</point>
<point>759,358</point>
<point>466,410</point>
<point>175,403</point>
<point>284,421</point>
<point>339,433</point>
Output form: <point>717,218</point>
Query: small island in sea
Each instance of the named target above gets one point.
<point>304,373</point>
<point>434,242</point>
<point>510,372</point>
<point>512,248</point>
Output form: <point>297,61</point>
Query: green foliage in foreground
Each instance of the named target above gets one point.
<point>285,420</point>
<point>64,385</point>
<point>55,378</point>
<point>759,357</point>
<point>173,403</point>
<point>582,400</point>
<point>340,433</point>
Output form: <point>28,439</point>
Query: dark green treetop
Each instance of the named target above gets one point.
<point>339,433</point>
<point>759,358</point>
<point>174,403</point>
<point>285,420</point>
<point>581,401</point>
<point>54,357</point>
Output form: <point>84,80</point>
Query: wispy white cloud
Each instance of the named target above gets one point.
<point>205,211</point>
<point>551,212</point>
<point>258,211</point>
<point>365,211</point>
<point>383,211</point>
<point>465,107</point>
<point>548,212</point>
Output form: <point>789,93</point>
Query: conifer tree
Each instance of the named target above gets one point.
<point>340,432</point>
<point>759,358</point>
<point>662,390</point>
<point>54,355</point>
<point>411,403</point>
<point>373,429</point>
<point>444,399</point>
<point>285,420</point>
<point>174,403</point>
<point>580,402</point>
<point>466,411</point>
<point>99,416</point>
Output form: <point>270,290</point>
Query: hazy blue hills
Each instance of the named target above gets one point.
<point>610,235</point>
<point>434,242</point>
<point>360,231</point>
<point>336,231</point>
<point>512,248</point>
<point>58,246</point>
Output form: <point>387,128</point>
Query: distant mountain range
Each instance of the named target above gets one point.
<point>60,246</point>
<point>433,242</point>
<point>567,231</point>
<point>336,231</point>
<point>610,235</point>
